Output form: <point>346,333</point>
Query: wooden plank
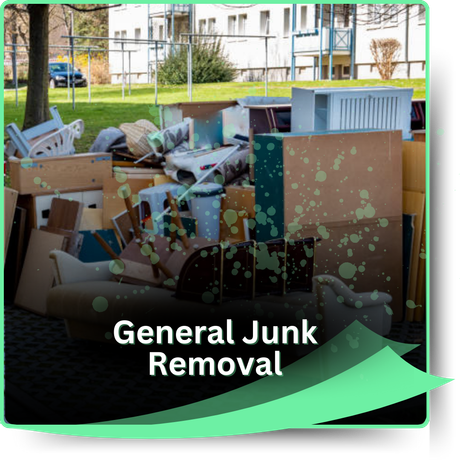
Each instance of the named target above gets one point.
<point>65,214</point>
<point>414,203</point>
<point>139,170</point>
<point>71,172</point>
<point>91,219</point>
<point>123,227</point>
<point>240,198</point>
<point>157,179</point>
<point>37,274</point>
<point>11,198</point>
<point>203,109</point>
<point>237,199</point>
<point>114,203</point>
<point>15,256</point>
<point>74,240</point>
<point>420,296</point>
<point>235,231</point>
<point>414,166</point>
<point>419,135</point>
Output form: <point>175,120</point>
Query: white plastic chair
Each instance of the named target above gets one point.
<point>58,138</point>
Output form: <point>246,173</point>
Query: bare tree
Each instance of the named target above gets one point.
<point>385,52</point>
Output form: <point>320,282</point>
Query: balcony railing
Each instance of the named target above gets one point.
<point>309,41</point>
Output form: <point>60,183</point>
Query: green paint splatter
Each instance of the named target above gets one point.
<point>230,217</point>
<point>207,297</point>
<point>124,191</point>
<point>347,270</point>
<point>100,304</point>
<point>321,176</point>
<point>116,267</point>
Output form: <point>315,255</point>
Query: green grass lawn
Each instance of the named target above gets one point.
<point>108,109</point>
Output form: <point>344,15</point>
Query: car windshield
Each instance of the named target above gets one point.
<point>60,67</point>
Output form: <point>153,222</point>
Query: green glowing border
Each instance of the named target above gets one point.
<point>143,431</point>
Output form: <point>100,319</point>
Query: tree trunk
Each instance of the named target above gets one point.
<point>37,105</point>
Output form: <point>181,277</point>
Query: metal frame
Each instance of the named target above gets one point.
<point>123,42</point>
<point>190,37</point>
<point>15,52</point>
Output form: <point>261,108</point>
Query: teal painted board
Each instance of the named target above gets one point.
<point>91,250</point>
<point>189,224</point>
<point>269,187</point>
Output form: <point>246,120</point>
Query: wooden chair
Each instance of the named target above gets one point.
<point>217,273</point>
<point>51,138</point>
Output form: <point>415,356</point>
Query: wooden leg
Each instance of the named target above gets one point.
<point>175,217</point>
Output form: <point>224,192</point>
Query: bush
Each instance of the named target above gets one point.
<point>210,65</point>
<point>100,74</point>
<point>385,52</point>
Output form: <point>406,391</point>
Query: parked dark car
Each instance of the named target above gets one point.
<point>58,72</point>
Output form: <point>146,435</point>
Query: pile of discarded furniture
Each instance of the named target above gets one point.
<point>275,200</point>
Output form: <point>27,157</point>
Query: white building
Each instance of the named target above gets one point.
<point>301,36</point>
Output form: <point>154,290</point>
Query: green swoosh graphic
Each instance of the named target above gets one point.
<point>378,381</point>
<point>361,372</point>
<point>353,345</point>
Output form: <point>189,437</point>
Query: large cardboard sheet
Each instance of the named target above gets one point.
<point>37,274</point>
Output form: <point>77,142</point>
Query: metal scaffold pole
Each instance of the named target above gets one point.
<point>122,70</point>
<point>156,73</point>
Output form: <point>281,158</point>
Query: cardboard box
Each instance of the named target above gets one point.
<point>71,172</point>
<point>345,188</point>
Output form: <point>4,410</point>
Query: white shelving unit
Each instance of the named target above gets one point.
<point>349,109</point>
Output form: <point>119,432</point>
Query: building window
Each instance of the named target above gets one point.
<point>117,35</point>
<point>161,32</point>
<point>394,14</point>
<point>345,15</point>
<point>421,14</point>
<point>374,14</point>
<point>232,25</point>
<point>390,14</point>
<point>242,19</point>
<point>202,26</point>
<point>287,20</point>
<point>303,18</point>
<point>264,22</point>
<point>137,36</point>
<point>346,70</point>
<point>211,25</point>
<point>326,15</point>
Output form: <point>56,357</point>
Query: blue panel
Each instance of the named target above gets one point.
<point>269,186</point>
